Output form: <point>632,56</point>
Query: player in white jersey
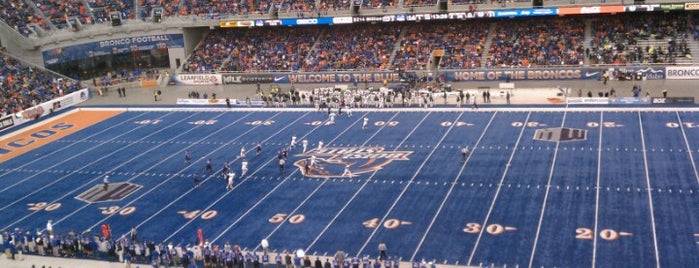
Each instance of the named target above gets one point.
<point>242,152</point>
<point>243,167</point>
<point>293,142</point>
<point>304,143</point>
<point>347,172</point>
<point>320,145</point>
<point>313,160</point>
<point>331,119</point>
<point>366,123</point>
<point>348,110</point>
<point>231,177</point>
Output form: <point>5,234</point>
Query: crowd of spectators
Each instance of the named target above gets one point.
<point>462,44</point>
<point>213,8</point>
<point>24,86</point>
<point>58,11</point>
<point>18,15</point>
<point>135,250</point>
<point>170,7</point>
<point>366,48</point>
<point>269,49</point>
<point>639,38</point>
<point>522,43</point>
<point>211,52</point>
<point>252,50</point>
<point>334,5</point>
<point>101,9</point>
<point>381,4</point>
<point>537,42</point>
<point>419,3</point>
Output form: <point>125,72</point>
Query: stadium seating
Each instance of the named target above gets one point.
<point>274,51</point>
<point>365,47</point>
<point>102,8</point>
<point>533,42</point>
<point>537,42</point>
<point>639,38</point>
<point>58,11</point>
<point>334,5</point>
<point>170,7</point>
<point>18,14</point>
<point>380,3</point>
<point>252,50</point>
<point>463,44</point>
<point>25,86</point>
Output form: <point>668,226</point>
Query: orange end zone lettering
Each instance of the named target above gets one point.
<point>20,143</point>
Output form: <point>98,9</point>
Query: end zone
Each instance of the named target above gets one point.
<point>15,144</point>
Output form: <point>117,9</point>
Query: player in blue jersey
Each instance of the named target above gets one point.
<point>196,180</point>
<point>209,167</point>
<point>187,157</point>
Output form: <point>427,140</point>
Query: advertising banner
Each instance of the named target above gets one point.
<point>649,73</point>
<point>590,10</point>
<point>577,100</point>
<point>359,77</point>
<point>195,79</point>
<point>524,74</point>
<point>691,6</point>
<point>112,46</point>
<point>234,102</point>
<point>681,72</point>
<point>673,100</point>
<point>629,100</point>
<point>44,109</point>
<point>232,79</point>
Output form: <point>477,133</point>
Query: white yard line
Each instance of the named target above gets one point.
<point>689,148</point>
<point>650,192</point>
<point>597,189</point>
<point>410,182</point>
<point>271,191</point>
<point>497,192</point>
<point>44,156</point>
<point>451,188</point>
<point>546,194</point>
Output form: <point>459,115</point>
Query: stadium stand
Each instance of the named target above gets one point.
<point>59,11</point>
<point>536,42</point>
<point>18,15</point>
<point>639,38</point>
<point>463,44</point>
<point>102,8</point>
<point>533,42</point>
<point>380,3</point>
<point>246,50</point>
<point>285,51</point>
<point>170,7</point>
<point>210,53</point>
<point>24,86</point>
<point>334,5</point>
<point>366,47</point>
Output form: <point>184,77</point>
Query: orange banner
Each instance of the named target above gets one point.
<point>590,10</point>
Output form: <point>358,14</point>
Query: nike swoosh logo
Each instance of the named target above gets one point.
<point>277,79</point>
<point>591,74</point>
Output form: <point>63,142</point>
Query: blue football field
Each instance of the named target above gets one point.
<point>539,187</point>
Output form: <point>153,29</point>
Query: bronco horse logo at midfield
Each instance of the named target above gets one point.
<point>331,161</point>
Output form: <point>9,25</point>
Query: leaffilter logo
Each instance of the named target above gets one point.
<point>331,162</point>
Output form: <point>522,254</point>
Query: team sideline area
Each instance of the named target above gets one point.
<point>537,187</point>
